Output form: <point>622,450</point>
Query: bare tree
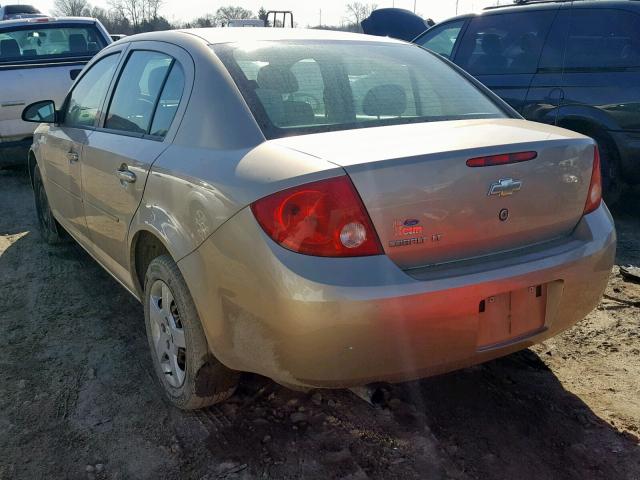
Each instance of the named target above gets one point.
<point>137,11</point>
<point>129,9</point>
<point>154,8</point>
<point>71,8</point>
<point>358,11</point>
<point>205,21</point>
<point>224,14</point>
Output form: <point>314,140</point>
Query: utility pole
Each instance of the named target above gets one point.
<point>320,17</point>
<point>414,6</point>
<point>457,1</point>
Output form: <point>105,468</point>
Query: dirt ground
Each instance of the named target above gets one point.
<point>79,399</point>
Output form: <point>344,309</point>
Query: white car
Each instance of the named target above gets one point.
<point>39,58</point>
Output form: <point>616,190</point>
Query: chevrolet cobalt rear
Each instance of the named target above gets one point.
<point>325,209</point>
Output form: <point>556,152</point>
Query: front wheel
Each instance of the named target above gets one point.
<point>49,228</point>
<point>189,374</point>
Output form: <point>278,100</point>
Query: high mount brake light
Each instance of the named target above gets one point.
<point>594,196</point>
<point>501,159</point>
<point>325,219</point>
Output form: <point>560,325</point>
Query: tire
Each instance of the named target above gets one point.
<point>48,226</point>
<point>190,375</point>
<point>612,186</point>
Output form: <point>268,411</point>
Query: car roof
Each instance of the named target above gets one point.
<point>20,22</point>
<point>240,34</point>
<point>547,5</point>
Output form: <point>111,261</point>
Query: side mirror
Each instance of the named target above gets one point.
<point>43,111</point>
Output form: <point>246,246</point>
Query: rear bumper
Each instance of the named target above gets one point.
<point>14,152</point>
<point>343,322</point>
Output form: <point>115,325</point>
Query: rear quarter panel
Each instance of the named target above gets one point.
<point>217,163</point>
<point>192,191</point>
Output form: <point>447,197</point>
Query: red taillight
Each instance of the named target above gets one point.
<point>501,159</point>
<point>325,219</point>
<point>594,196</point>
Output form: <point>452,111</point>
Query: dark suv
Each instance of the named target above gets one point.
<point>575,64</point>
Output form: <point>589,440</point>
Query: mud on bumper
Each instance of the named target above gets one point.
<point>342,322</point>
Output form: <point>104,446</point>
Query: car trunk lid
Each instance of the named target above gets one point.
<point>429,207</point>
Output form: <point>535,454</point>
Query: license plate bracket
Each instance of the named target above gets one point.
<point>511,315</point>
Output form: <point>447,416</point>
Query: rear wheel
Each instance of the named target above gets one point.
<point>611,182</point>
<point>189,374</point>
<point>49,228</point>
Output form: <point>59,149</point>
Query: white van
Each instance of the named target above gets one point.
<point>39,58</point>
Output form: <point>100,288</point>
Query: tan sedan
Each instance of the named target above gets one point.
<point>322,208</point>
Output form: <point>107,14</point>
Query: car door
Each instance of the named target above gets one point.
<point>546,92</point>
<point>601,79</point>
<point>65,141</point>
<point>134,131</point>
<point>502,50</point>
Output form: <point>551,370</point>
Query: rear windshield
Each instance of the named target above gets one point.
<point>295,88</point>
<point>48,42</point>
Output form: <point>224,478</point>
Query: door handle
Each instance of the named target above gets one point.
<point>125,175</point>
<point>72,156</point>
<point>556,95</point>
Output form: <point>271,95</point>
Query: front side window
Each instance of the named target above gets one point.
<point>601,39</point>
<point>136,94</point>
<point>86,98</point>
<point>48,42</point>
<point>505,43</point>
<point>302,87</point>
<point>442,39</point>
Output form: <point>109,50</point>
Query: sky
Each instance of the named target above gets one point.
<point>305,12</point>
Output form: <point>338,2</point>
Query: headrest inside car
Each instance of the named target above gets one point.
<point>9,48</point>
<point>77,43</point>
<point>278,79</point>
<point>156,77</point>
<point>385,100</point>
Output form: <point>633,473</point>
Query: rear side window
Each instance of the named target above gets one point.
<point>169,101</point>
<point>441,39</point>
<point>135,96</point>
<point>87,96</point>
<point>302,87</point>
<point>505,43</point>
<point>48,42</point>
<point>602,39</point>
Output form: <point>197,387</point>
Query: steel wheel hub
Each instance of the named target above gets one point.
<point>167,333</point>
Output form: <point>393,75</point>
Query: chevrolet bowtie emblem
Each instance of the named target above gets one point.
<point>504,187</point>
